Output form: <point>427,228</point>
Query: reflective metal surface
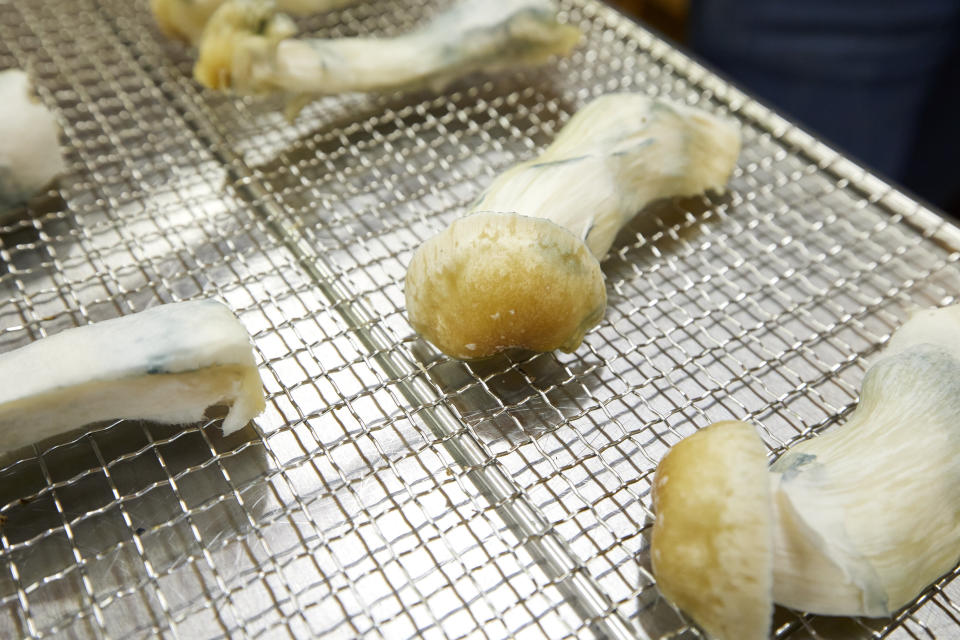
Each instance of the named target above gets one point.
<point>388,491</point>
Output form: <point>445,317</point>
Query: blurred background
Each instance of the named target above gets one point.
<point>876,79</point>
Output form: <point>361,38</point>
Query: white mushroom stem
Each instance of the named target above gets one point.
<point>863,517</point>
<point>522,268</point>
<point>247,47</point>
<point>615,156</point>
<point>186,19</point>
<point>30,156</point>
<point>167,364</point>
<point>869,513</point>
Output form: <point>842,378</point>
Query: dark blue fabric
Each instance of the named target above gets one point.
<point>878,78</point>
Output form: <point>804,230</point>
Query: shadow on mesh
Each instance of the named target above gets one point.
<point>160,497</point>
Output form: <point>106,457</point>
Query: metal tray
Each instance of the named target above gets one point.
<point>388,491</point>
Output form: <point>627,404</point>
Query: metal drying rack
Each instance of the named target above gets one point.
<point>388,491</point>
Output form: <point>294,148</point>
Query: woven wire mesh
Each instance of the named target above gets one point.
<point>388,491</point>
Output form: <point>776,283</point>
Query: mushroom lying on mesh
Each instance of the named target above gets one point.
<point>860,519</point>
<point>247,47</point>
<point>167,364</point>
<point>523,270</point>
<point>185,19</point>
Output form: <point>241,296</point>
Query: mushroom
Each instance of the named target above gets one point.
<point>522,268</point>
<point>247,47</point>
<point>863,517</point>
<point>30,155</point>
<point>167,364</point>
<point>185,19</point>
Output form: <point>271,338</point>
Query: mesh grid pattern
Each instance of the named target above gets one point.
<point>388,491</point>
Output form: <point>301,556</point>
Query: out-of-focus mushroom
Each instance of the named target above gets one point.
<point>183,19</point>
<point>239,44</point>
<point>523,269</point>
<point>246,47</point>
<point>30,155</point>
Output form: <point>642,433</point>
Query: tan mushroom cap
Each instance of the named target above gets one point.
<point>711,546</point>
<point>494,281</point>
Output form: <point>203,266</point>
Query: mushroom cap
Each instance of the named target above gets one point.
<point>711,545</point>
<point>494,281</point>
<point>239,45</point>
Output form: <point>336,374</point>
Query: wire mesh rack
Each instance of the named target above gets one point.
<point>388,491</point>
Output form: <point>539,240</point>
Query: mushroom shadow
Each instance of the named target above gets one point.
<point>654,613</point>
<point>519,395</point>
<point>658,229</point>
<point>122,495</point>
<point>22,229</point>
<point>515,395</point>
<point>415,135</point>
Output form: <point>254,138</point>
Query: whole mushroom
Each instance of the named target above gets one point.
<point>522,269</point>
<point>855,522</point>
<point>247,47</point>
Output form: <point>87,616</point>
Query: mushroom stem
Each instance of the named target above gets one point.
<point>522,268</point>
<point>238,50</point>
<point>167,364</point>
<point>867,515</point>
<point>615,156</point>
<point>879,498</point>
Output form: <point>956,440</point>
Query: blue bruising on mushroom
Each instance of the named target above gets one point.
<point>160,363</point>
<point>793,464</point>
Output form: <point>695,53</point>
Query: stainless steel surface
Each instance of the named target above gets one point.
<point>388,491</point>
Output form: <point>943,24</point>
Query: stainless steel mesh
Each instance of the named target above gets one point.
<point>388,491</point>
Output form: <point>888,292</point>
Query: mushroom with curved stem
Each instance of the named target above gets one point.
<point>185,19</point>
<point>522,268</point>
<point>861,518</point>
<point>246,47</point>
